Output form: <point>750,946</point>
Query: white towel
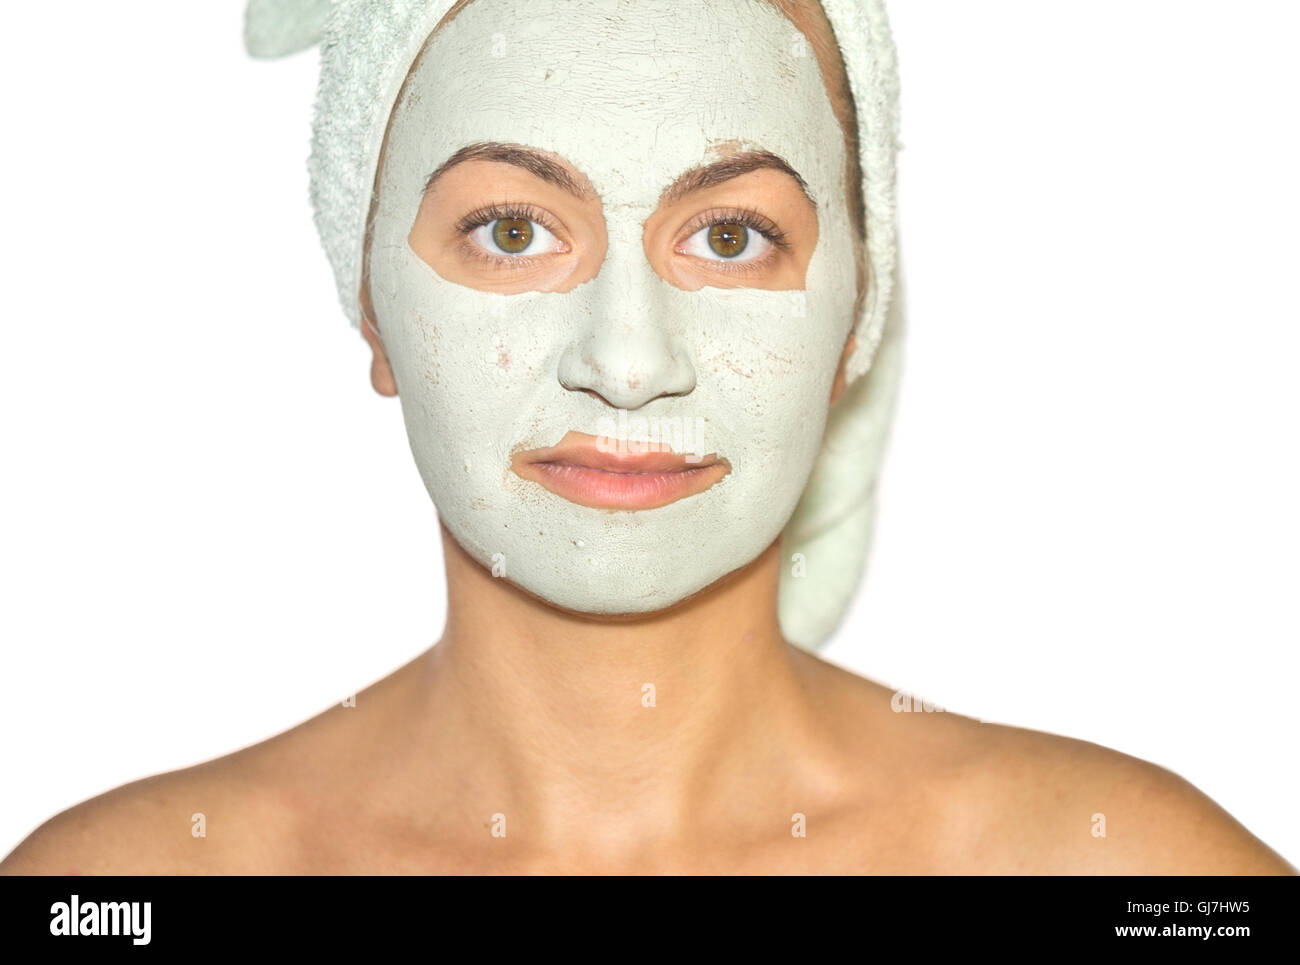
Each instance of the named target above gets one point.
<point>367,48</point>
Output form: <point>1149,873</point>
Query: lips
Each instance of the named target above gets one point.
<point>578,470</point>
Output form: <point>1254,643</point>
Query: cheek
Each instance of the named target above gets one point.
<point>465,377</point>
<point>775,371</point>
<point>475,373</point>
<point>777,365</point>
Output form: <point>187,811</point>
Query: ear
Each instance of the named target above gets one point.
<point>381,373</point>
<point>837,387</point>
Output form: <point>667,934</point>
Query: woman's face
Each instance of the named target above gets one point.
<point>613,270</point>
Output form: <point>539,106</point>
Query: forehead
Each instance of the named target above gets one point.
<point>632,92</point>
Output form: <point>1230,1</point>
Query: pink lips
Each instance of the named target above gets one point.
<point>579,471</point>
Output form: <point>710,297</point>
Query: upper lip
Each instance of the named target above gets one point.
<point>580,449</point>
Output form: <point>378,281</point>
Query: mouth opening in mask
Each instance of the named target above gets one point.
<point>589,471</point>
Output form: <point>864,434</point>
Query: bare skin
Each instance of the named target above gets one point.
<point>535,714</point>
<point>533,721</point>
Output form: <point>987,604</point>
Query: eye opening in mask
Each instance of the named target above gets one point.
<point>810,20</point>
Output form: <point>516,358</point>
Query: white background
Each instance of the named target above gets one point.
<point>211,527</point>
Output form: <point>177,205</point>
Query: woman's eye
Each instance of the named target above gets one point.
<point>727,241</point>
<point>515,236</point>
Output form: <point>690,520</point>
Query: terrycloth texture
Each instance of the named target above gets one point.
<point>274,28</point>
<point>368,48</point>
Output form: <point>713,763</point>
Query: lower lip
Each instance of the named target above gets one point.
<point>622,490</point>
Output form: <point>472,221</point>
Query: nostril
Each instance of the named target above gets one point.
<point>597,396</point>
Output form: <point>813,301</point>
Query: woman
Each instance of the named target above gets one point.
<point>629,267</point>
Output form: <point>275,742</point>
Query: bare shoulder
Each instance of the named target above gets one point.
<point>206,819</point>
<point>259,810</point>
<point>248,812</point>
<point>995,799</point>
<point>1060,805</point>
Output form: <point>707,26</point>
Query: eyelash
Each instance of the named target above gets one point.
<point>748,217</point>
<point>496,212</point>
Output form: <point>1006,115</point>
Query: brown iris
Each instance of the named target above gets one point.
<point>512,235</point>
<point>728,240</point>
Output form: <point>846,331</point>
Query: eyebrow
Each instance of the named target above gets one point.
<point>733,166</point>
<point>532,161</point>
<point>550,171</point>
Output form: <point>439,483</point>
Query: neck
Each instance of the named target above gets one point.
<point>638,720</point>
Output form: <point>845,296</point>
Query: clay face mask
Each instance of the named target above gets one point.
<point>632,95</point>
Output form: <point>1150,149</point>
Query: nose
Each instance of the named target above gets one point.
<point>627,354</point>
<point>627,365</point>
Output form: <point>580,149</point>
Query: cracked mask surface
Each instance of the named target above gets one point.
<point>633,95</point>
